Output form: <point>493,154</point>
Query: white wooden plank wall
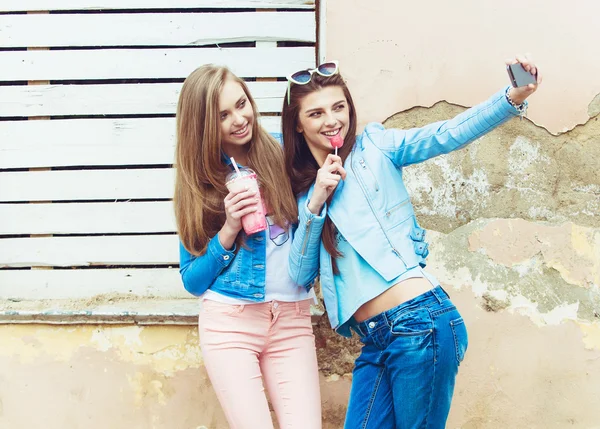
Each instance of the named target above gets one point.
<point>88,92</point>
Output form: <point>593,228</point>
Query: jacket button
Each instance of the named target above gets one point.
<point>226,257</point>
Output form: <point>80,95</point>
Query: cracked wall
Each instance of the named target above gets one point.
<point>514,218</point>
<point>396,55</point>
<point>513,224</point>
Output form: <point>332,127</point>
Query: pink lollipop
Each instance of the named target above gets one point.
<point>337,142</point>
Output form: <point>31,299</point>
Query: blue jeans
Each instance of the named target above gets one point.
<point>404,376</point>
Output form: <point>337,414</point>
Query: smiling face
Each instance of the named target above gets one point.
<point>322,115</point>
<point>237,118</point>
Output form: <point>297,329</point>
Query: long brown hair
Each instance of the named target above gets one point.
<point>299,161</point>
<point>200,169</point>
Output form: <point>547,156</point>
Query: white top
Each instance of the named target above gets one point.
<point>278,284</point>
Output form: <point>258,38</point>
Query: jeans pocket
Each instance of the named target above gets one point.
<point>461,338</point>
<point>215,307</point>
<point>303,308</point>
<point>412,322</point>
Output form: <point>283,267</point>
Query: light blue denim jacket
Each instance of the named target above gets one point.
<point>371,208</point>
<point>234,273</point>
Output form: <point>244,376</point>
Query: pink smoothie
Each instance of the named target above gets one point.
<point>252,222</point>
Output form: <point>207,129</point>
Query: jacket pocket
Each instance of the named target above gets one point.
<point>398,213</point>
<point>368,176</point>
<point>461,338</point>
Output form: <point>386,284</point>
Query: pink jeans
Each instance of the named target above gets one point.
<point>242,345</point>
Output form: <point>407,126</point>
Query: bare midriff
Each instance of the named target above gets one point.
<point>393,297</point>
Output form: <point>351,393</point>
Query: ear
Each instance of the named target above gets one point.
<point>299,129</point>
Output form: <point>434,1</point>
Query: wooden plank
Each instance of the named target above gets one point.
<point>83,142</point>
<point>119,311</point>
<point>86,284</point>
<point>87,185</point>
<point>150,63</point>
<point>35,5</point>
<point>85,251</point>
<point>120,99</point>
<point>155,29</point>
<point>87,218</point>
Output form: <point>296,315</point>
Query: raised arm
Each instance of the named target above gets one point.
<point>405,147</point>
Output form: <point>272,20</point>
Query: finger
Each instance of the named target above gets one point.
<point>233,209</point>
<point>333,167</point>
<point>238,196</point>
<point>521,58</point>
<point>328,182</point>
<point>510,61</point>
<point>333,178</point>
<point>342,172</point>
<point>246,211</point>
<point>533,71</point>
<point>331,159</point>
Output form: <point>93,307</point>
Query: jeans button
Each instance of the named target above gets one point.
<point>372,325</point>
<point>275,305</point>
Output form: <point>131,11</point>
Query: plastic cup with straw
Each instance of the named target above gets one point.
<point>245,179</point>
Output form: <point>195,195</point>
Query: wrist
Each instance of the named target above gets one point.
<point>514,98</point>
<point>315,207</point>
<point>227,236</point>
<point>517,102</point>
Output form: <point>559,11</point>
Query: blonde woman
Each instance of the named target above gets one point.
<point>255,326</point>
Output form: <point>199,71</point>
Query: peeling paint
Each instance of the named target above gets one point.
<point>591,337</point>
<point>518,170</point>
<point>165,349</point>
<point>572,250</point>
<point>541,271</point>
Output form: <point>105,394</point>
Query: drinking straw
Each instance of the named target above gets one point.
<point>235,166</point>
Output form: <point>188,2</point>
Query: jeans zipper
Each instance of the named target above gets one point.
<point>376,217</point>
<point>306,236</point>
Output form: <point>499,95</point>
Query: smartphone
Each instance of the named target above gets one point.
<point>519,76</point>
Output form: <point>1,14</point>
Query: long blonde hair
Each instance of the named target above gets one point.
<point>200,168</point>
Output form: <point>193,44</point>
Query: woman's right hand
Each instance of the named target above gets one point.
<point>328,177</point>
<point>237,205</point>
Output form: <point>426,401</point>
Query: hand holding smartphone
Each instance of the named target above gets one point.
<point>519,76</point>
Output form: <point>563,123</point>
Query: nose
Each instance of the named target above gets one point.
<point>237,118</point>
<point>330,120</point>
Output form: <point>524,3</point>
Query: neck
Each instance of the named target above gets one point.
<point>240,153</point>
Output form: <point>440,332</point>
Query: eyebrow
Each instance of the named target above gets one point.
<point>236,103</point>
<point>316,109</point>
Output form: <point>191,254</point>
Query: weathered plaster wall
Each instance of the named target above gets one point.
<point>396,55</point>
<point>513,223</point>
<point>116,377</point>
<point>513,219</point>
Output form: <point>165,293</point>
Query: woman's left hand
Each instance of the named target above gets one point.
<point>520,94</point>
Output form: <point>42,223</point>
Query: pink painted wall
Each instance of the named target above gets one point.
<point>396,55</point>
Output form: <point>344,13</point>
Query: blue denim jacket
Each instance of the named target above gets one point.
<point>371,208</point>
<point>234,273</point>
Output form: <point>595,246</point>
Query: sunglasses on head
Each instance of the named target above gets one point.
<point>303,77</point>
